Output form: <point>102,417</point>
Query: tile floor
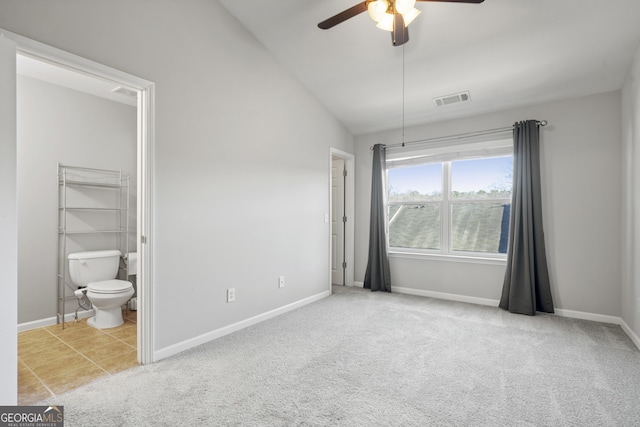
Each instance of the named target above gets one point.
<point>53,360</point>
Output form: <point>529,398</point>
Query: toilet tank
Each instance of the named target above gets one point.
<point>93,266</point>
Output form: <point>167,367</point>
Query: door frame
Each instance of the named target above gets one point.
<point>8,225</point>
<point>145,165</point>
<point>349,208</point>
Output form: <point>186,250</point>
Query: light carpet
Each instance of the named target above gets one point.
<point>359,358</point>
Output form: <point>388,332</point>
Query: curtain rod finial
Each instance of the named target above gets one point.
<point>542,123</point>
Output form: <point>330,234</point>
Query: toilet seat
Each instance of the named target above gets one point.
<point>109,287</point>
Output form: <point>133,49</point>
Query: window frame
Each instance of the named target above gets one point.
<point>446,204</point>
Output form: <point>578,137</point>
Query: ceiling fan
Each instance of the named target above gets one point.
<point>391,15</point>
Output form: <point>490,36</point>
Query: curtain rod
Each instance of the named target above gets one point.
<point>459,136</point>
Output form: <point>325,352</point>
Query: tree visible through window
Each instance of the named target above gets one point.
<point>452,206</point>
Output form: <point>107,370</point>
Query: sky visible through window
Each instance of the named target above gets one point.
<point>467,175</point>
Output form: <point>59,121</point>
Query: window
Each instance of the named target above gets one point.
<point>452,203</point>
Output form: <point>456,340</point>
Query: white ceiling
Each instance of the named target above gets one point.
<point>506,53</point>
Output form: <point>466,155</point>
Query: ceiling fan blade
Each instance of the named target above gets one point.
<point>456,1</point>
<point>343,16</point>
<point>400,33</point>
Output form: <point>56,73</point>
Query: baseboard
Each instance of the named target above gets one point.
<point>602,318</point>
<point>439,295</point>
<point>35,324</point>
<point>632,335</point>
<point>218,333</point>
<point>445,296</point>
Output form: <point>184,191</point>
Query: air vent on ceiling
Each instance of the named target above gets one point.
<point>124,91</point>
<point>452,99</point>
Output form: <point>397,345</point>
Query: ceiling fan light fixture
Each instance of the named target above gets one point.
<point>382,12</point>
<point>386,23</point>
<point>404,6</point>
<point>377,9</point>
<point>410,16</point>
<point>390,15</point>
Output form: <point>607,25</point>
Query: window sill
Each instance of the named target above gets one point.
<point>449,258</point>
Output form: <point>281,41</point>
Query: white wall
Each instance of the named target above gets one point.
<point>581,196</point>
<point>242,164</point>
<point>56,124</point>
<point>631,199</point>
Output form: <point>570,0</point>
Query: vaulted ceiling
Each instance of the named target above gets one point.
<point>506,53</point>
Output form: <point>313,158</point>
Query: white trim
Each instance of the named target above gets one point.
<point>602,318</point>
<point>146,144</point>
<point>70,61</point>
<point>145,226</point>
<point>445,296</point>
<point>8,224</point>
<point>349,192</point>
<point>632,335</point>
<point>226,330</point>
<point>49,321</point>
<point>560,312</point>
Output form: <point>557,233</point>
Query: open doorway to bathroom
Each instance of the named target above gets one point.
<point>74,118</point>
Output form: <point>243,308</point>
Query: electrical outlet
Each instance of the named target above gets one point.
<point>231,294</point>
<point>281,281</point>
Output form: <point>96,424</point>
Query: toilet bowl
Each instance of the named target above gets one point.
<point>107,298</point>
<point>96,270</point>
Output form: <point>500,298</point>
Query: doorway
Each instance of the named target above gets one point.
<point>342,208</point>
<point>145,153</point>
<point>66,118</point>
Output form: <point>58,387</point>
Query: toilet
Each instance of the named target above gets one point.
<point>96,270</point>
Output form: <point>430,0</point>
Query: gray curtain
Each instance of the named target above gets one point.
<point>378,276</point>
<point>526,286</point>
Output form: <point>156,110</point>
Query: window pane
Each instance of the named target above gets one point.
<point>416,183</point>
<point>415,226</point>
<point>489,178</point>
<point>480,227</point>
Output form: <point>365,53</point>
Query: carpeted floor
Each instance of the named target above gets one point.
<point>360,358</point>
